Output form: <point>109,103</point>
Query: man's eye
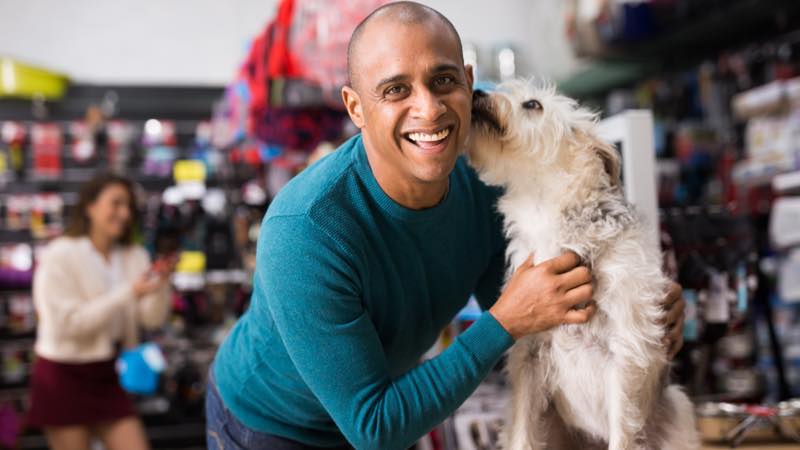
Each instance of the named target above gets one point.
<point>444,81</point>
<point>394,90</point>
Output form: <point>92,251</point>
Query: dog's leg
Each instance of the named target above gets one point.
<point>623,422</point>
<point>558,435</point>
<point>524,430</point>
<point>678,431</point>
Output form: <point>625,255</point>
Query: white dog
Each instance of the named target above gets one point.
<point>601,384</point>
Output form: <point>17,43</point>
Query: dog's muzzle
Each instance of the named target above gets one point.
<point>483,112</point>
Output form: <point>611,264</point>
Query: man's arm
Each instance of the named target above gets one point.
<point>314,298</point>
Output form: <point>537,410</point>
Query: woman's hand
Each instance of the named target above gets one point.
<point>156,277</point>
<point>165,265</point>
<point>148,284</point>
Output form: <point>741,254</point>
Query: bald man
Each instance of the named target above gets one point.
<point>365,256</point>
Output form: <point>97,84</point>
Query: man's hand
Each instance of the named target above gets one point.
<point>675,306</point>
<point>540,297</point>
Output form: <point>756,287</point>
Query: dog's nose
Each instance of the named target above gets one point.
<point>477,93</point>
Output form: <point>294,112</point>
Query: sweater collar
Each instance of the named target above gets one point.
<point>386,203</point>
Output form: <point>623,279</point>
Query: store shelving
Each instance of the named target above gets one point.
<point>738,22</point>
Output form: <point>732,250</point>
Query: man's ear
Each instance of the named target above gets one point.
<point>470,75</point>
<point>353,104</point>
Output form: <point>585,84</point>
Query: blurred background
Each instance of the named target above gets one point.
<point>211,107</point>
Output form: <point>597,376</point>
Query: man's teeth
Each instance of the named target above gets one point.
<point>423,137</point>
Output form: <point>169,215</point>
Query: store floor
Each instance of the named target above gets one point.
<point>755,447</point>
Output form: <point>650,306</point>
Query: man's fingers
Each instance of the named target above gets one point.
<point>676,347</point>
<point>674,294</point>
<point>674,313</point>
<point>525,264</point>
<point>577,316</point>
<point>529,260</point>
<point>580,294</point>
<point>576,277</point>
<point>565,262</point>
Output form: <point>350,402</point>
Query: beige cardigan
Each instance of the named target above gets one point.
<point>80,317</point>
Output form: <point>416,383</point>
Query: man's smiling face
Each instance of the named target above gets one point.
<point>412,98</point>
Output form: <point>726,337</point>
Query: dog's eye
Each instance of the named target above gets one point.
<point>532,104</point>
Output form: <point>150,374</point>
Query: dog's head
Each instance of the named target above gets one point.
<point>522,129</point>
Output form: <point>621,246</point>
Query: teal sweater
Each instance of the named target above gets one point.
<point>350,290</point>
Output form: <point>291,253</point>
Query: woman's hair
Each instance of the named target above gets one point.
<point>79,222</point>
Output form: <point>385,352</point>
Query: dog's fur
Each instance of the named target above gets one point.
<point>601,384</point>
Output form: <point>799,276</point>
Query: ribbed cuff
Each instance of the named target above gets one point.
<point>486,339</point>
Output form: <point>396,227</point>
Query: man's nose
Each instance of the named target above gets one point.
<point>428,106</point>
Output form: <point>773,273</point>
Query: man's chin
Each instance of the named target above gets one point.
<point>434,172</point>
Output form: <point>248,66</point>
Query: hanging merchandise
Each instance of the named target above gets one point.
<point>320,33</point>
<point>219,249</point>
<point>268,59</point>
<point>789,277</point>
<point>159,141</point>
<point>20,317</point>
<point>88,136</point>
<point>785,217</point>
<point>204,151</point>
<point>12,159</point>
<point>83,148</point>
<point>17,212</point>
<point>15,361</point>
<point>583,20</point>
<point>46,144</point>
<point>47,215</point>
<point>300,129</point>
<point>16,266</point>
<point>230,122</point>
<point>272,63</point>
<point>190,178</point>
<point>120,140</point>
<point>189,273</point>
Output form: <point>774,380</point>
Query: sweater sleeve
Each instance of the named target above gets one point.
<point>56,291</point>
<point>312,293</point>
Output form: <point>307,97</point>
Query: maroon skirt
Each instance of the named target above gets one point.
<point>76,394</point>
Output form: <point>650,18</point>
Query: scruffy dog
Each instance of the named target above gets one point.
<point>602,384</point>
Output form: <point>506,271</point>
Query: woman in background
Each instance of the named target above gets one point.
<point>92,290</point>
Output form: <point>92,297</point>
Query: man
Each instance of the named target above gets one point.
<point>364,257</point>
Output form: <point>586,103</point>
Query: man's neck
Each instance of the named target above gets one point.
<point>407,193</point>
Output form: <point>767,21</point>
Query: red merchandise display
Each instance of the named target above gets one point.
<point>46,142</point>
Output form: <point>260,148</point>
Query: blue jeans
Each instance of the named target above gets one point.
<point>226,432</point>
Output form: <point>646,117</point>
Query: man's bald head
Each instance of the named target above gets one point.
<point>410,13</point>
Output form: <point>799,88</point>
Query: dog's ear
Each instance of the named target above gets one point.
<point>611,160</point>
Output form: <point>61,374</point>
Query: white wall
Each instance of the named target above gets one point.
<point>202,42</point>
<point>534,27</point>
<point>133,41</point>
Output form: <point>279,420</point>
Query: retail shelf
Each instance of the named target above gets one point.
<point>6,386</point>
<point>738,23</point>
<point>15,236</point>
<point>17,336</point>
<point>787,182</point>
<point>766,99</point>
<point>132,102</point>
